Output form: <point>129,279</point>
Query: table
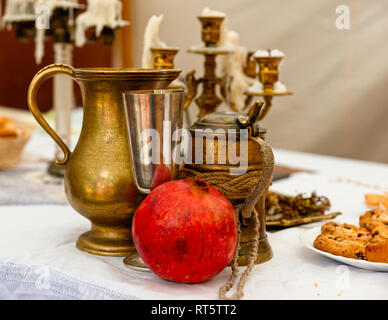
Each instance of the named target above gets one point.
<point>38,258</point>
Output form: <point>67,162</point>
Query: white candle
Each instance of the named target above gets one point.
<point>256,87</point>
<point>151,40</point>
<point>268,53</point>
<point>63,95</point>
<point>39,45</point>
<point>99,14</point>
<point>41,33</point>
<point>261,53</point>
<point>276,53</point>
<point>233,65</point>
<point>51,5</point>
<point>279,87</point>
<point>207,12</point>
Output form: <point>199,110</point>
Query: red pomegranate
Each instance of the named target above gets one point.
<point>185,231</point>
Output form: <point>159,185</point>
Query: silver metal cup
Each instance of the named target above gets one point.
<point>153,118</point>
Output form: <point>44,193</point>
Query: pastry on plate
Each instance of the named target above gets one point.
<point>377,201</point>
<point>373,219</point>
<point>343,240</point>
<point>345,230</point>
<point>377,249</point>
<point>367,242</point>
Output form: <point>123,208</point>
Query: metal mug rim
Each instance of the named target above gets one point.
<point>153,91</point>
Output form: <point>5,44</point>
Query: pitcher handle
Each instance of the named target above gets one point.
<point>38,79</point>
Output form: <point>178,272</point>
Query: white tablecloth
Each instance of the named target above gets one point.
<point>38,258</point>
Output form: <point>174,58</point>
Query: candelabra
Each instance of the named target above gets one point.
<point>267,84</point>
<point>208,101</point>
<point>64,29</point>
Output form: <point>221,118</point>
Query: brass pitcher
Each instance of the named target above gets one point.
<point>99,183</point>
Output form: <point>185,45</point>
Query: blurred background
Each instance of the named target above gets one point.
<point>338,77</point>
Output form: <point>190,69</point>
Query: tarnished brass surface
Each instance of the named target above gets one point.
<point>268,75</point>
<point>192,88</point>
<point>268,71</point>
<point>250,69</point>
<point>164,57</point>
<point>222,142</point>
<point>264,252</point>
<point>98,177</point>
<point>208,101</point>
<point>211,30</point>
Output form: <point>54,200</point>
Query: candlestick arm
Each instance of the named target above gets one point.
<point>192,88</point>
<point>266,108</point>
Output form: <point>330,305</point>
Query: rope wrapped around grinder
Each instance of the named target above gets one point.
<point>249,186</point>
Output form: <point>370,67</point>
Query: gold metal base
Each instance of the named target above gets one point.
<point>264,252</point>
<point>135,262</point>
<point>106,242</point>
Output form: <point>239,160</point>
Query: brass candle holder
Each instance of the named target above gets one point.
<point>268,75</point>
<point>164,57</point>
<point>250,69</point>
<point>211,30</point>
<point>209,100</point>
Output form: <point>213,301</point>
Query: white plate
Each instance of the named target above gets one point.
<point>308,238</point>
